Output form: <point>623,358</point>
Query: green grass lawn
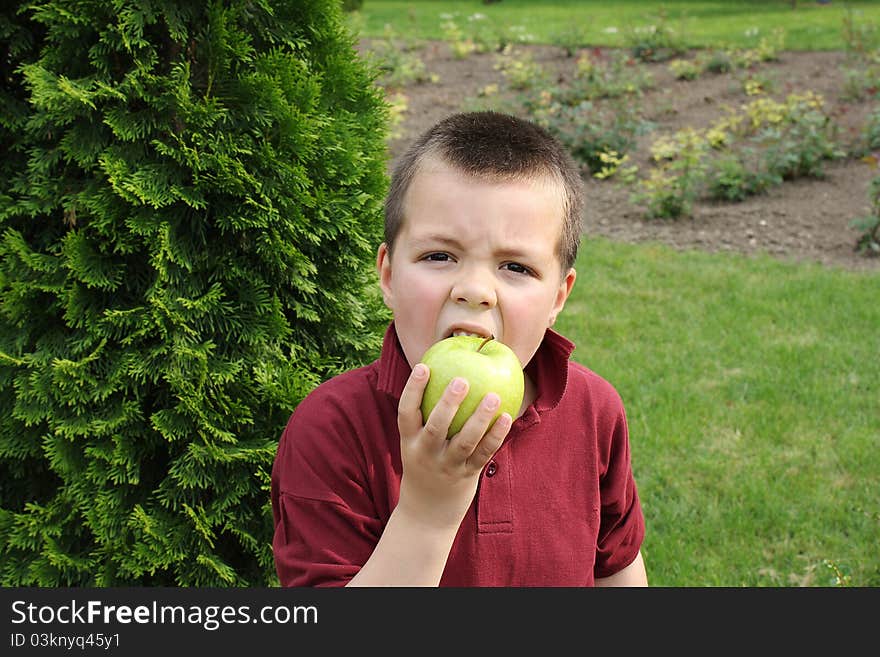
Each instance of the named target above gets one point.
<point>718,23</point>
<point>752,389</point>
<point>752,385</point>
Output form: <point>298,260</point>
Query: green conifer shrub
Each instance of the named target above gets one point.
<point>190,199</point>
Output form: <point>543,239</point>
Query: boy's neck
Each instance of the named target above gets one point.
<point>529,394</point>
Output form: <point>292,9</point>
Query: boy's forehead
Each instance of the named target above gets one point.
<point>433,170</point>
<point>433,173</point>
<point>433,166</point>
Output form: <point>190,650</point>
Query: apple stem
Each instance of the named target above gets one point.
<point>483,343</point>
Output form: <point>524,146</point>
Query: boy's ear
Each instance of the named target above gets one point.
<point>562,292</point>
<point>383,269</point>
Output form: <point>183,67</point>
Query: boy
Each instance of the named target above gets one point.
<point>482,225</point>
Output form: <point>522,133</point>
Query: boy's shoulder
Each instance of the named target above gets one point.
<point>562,380</point>
<point>339,414</point>
<point>584,381</point>
<point>586,376</point>
<point>367,396</point>
<point>347,387</point>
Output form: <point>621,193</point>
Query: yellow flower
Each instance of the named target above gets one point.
<point>585,65</point>
<point>765,110</point>
<point>717,137</point>
<point>664,148</point>
<point>754,87</point>
<point>613,165</point>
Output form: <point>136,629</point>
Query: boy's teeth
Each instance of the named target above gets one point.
<point>458,333</point>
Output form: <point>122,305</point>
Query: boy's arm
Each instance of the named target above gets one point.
<point>438,484</point>
<point>409,553</point>
<point>633,575</point>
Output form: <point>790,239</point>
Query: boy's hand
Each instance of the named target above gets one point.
<point>440,476</point>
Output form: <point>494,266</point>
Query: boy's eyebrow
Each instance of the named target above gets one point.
<point>432,240</point>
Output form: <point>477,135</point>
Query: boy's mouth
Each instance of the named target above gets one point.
<point>473,331</point>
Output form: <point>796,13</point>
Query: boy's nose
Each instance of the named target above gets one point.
<point>474,291</point>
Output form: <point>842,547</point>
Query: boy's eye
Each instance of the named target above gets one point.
<point>437,257</point>
<point>517,268</point>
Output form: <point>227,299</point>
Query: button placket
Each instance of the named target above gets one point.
<point>494,498</point>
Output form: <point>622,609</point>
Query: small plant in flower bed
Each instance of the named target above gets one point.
<point>588,129</point>
<point>571,39</point>
<point>520,70</point>
<point>861,72</point>
<point>768,48</point>
<point>719,61</point>
<point>613,167</point>
<point>405,68</point>
<point>724,61</point>
<point>462,45</point>
<point>687,69</point>
<point>665,194</point>
<point>676,180</point>
<point>397,60</point>
<point>478,33</point>
<point>861,36</point>
<point>492,36</point>
<point>731,177</point>
<point>861,78</point>
<point>605,75</point>
<point>398,103</point>
<point>768,142</point>
<point>743,154</point>
<point>657,42</point>
<point>799,145</point>
<point>869,240</point>
<point>755,83</point>
<point>872,132</point>
<point>672,184</point>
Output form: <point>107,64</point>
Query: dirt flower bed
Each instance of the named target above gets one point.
<point>805,219</point>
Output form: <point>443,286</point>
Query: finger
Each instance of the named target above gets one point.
<point>466,440</point>
<point>437,424</point>
<point>409,412</point>
<point>490,442</point>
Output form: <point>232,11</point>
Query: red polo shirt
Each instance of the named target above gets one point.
<point>556,506</point>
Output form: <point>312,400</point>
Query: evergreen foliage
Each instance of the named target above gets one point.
<point>190,199</point>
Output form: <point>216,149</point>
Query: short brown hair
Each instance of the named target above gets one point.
<point>494,146</point>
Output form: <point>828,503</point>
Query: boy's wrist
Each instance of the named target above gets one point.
<point>432,524</point>
<point>410,552</point>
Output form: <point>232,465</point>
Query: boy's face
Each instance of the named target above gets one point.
<point>475,256</point>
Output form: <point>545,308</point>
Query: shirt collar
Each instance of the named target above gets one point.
<point>548,367</point>
<point>393,368</point>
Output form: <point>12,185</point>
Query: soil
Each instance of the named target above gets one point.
<point>800,220</point>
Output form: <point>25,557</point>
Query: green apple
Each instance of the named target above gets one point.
<point>488,366</point>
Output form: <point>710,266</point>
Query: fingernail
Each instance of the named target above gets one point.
<point>459,385</point>
<point>492,401</point>
<point>419,371</point>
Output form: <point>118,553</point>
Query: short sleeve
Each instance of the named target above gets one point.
<point>326,522</point>
<point>622,527</point>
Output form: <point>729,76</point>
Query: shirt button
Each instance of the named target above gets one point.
<point>491,469</point>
